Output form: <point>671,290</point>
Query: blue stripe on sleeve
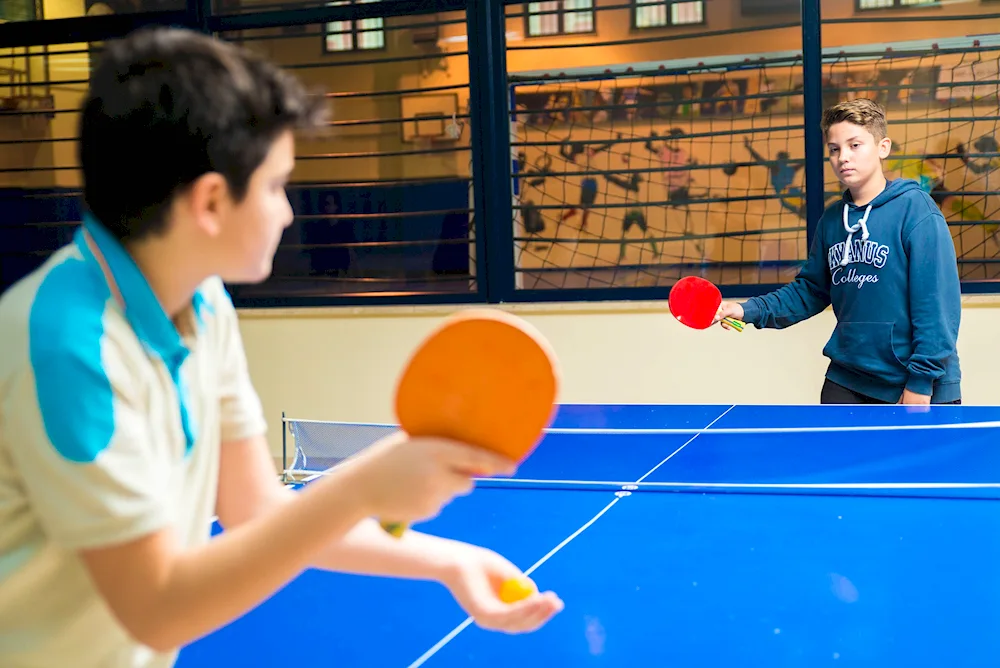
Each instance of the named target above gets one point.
<point>66,330</point>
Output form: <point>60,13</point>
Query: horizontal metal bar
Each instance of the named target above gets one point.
<point>582,241</point>
<point>353,299</point>
<point>660,38</point>
<point>912,18</point>
<point>312,34</point>
<point>86,28</point>
<point>400,91</point>
<point>380,154</point>
<point>329,14</point>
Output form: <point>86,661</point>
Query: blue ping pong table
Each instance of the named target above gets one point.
<point>696,536</point>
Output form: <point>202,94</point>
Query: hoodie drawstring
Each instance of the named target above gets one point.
<point>861,225</point>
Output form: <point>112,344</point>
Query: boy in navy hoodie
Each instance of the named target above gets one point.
<point>884,258</point>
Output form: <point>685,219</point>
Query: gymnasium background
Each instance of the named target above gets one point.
<point>567,159</point>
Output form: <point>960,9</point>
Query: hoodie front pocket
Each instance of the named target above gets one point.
<point>866,348</point>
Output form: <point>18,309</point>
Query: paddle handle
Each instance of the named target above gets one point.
<point>738,325</point>
<point>394,529</point>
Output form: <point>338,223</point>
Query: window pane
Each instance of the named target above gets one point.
<point>370,34</point>
<point>578,21</point>
<point>338,33</point>
<point>339,37</point>
<point>687,12</point>
<point>875,4</point>
<point>17,10</point>
<point>547,24</point>
<point>653,15</point>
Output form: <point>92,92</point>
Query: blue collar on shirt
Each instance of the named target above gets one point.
<point>141,307</point>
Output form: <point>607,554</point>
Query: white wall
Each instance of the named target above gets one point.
<point>341,364</point>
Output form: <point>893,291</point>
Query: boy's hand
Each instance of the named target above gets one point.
<point>409,480</point>
<point>914,398</point>
<point>728,310</point>
<point>474,579</point>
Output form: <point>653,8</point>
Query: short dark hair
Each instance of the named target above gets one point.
<point>869,114</point>
<point>168,105</point>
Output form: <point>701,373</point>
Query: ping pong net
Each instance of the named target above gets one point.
<point>316,446</point>
<point>909,459</point>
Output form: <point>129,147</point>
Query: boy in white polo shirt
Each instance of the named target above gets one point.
<point>127,416</point>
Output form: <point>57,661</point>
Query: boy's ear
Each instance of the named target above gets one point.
<point>207,197</point>
<point>884,147</point>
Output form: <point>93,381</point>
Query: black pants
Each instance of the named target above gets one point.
<point>837,394</point>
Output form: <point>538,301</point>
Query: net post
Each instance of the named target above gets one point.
<point>812,77</point>
<point>284,448</point>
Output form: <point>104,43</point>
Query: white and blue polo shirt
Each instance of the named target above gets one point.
<point>112,416</point>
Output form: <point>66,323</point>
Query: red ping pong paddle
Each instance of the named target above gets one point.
<point>695,302</point>
<point>484,377</point>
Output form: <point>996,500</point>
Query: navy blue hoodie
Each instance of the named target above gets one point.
<point>889,270</point>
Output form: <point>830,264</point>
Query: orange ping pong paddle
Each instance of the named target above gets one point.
<point>695,302</point>
<point>483,377</point>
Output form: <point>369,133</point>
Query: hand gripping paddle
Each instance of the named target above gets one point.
<point>485,378</point>
<point>695,302</point>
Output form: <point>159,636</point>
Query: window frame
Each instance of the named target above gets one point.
<point>896,6</point>
<point>355,32</point>
<point>636,5</point>
<point>560,13</point>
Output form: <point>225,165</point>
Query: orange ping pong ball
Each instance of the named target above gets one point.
<point>516,589</point>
